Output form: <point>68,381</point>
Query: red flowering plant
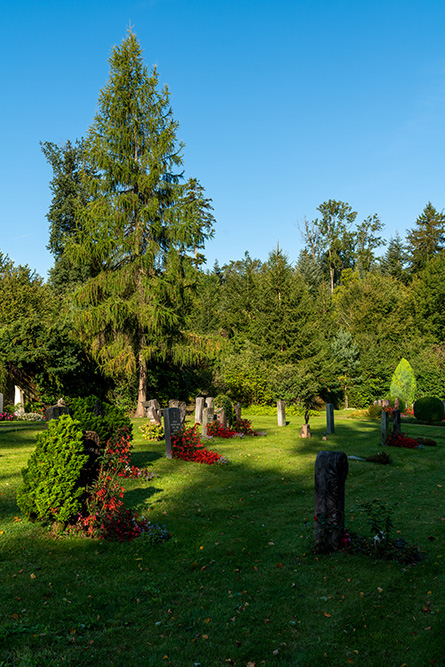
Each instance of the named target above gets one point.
<point>187,446</point>
<point>117,454</point>
<point>240,428</point>
<point>401,440</point>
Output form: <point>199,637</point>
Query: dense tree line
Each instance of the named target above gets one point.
<point>128,310</point>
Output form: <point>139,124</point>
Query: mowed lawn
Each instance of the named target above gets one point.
<point>237,583</point>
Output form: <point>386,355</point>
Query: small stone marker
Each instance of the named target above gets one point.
<point>172,425</point>
<point>207,418</point>
<point>305,431</point>
<point>56,411</point>
<point>221,417</point>
<point>396,403</point>
<point>281,413</point>
<point>330,428</point>
<point>386,403</point>
<point>331,470</point>
<point>153,411</point>
<point>237,411</point>
<point>384,423</point>
<point>199,407</point>
<point>182,405</point>
<point>209,402</point>
<point>396,421</point>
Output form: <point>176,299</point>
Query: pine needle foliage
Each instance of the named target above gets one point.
<point>142,227</point>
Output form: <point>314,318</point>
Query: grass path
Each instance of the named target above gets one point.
<point>237,583</point>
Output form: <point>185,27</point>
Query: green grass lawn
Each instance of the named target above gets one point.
<point>237,583</point>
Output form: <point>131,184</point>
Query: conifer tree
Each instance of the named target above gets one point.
<point>427,238</point>
<point>142,227</point>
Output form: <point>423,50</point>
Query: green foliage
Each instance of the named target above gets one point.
<point>429,409</point>
<point>51,487</point>
<point>105,419</point>
<point>295,384</point>
<point>223,402</point>
<point>403,383</point>
<point>374,411</point>
<point>141,227</point>
<point>152,432</point>
<point>402,404</point>
<point>427,238</point>
<point>296,410</point>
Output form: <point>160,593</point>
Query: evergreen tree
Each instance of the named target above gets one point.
<point>403,383</point>
<point>427,238</point>
<point>346,361</point>
<point>142,227</point>
<point>394,261</point>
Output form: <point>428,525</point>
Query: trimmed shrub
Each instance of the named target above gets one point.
<point>224,402</point>
<point>429,409</point>
<point>374,411</point>
<point>403,383</point>
<point>105,419</point>
<point>51,489</point>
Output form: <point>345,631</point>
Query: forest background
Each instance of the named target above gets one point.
<point>128,311</point>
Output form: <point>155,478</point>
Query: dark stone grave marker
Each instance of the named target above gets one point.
<point>396,421</point>
<point>330,427</point>
<point>172,425</point>
<point>331,470</point>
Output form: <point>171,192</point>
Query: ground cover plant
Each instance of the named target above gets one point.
<point>238,582</point>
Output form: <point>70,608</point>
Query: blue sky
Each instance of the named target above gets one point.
<point>282,105</point>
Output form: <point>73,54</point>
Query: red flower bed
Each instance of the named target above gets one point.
<point>241,426</point>
<point>187,446</point>
<point>401,440</point>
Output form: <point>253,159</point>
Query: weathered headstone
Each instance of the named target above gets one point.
<point>172,425</point>
<point>1,402</point>
<point>331,470</point>
<point>386,403</point>
<point>281,413</point>
<point>305,431</point>
<point>221,417</point>
<point>237,410</point>
<point>153,411</point>
<point>384,423</point>
<point>182,405</point>
<point>396,421</point>
<point>199,407</point>
<point>330,428</point>
<point>207,418</point>
<point>55,411</point>
<point>209,402</point>
<point>396,403</point>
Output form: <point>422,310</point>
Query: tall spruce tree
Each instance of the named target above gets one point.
<point>427,238</point>
<point>142,227</point>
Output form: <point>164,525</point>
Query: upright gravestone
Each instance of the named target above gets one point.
<point>182,405</point>
<point>396,421</point>
<point>386,403</point>
<point>237,410</point>
<point>384,423</point>
<point>209,402</point>
<point>281,413</point>
<point>221,417</point>
<point>396,403</point>
<point>1,402</point>
<point>199,407</point>
<point>207,418</point>
<point>172,425</point>
<point>152,410</point>
<point>330,428</point>
<point>331,470</point>
<point>55,411</point>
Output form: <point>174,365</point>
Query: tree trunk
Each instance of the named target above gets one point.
<point>142,389</point>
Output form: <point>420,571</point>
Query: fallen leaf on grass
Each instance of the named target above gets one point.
<point>325,613</point>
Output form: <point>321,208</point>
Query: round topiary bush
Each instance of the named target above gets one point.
<point>429,409</point>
